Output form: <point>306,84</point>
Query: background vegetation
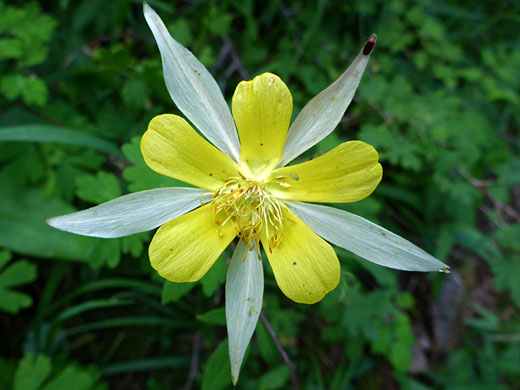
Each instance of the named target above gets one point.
<point>80,80</point>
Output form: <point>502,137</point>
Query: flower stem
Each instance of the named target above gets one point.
<point>285,357</point>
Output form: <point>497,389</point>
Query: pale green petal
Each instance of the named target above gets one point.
<point>193,89</point>
<point>132,213</point>
<point>365,239</point>
<point>323,113</point>
<point>244,294</point>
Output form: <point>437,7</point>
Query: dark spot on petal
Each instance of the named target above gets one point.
<point>294,263</point>
<point>261,144</point>
<point>211,174</point>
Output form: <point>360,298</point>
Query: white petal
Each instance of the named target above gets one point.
<point>322,114</point>
<point>244,293</point>
<point>132,213</point>
<point>365,239</point>
<point>194,90</point>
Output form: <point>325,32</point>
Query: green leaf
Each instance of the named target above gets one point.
<point>172,292</point>
<point>181,30</point>
<point>100,188</point>
<point>275,379</point>
<point>400,356</point>
<point>72,377</point>
<point>139,175</point>
<point>266,345</point>
<point>509,236</point>
<point>10,48</point>
<point>216,316</point>
<point>23,228</point>
<point>506,271</point>
<point>217,371</point>
<point>135,93</point>
<point>215,277</point>
<point>17,274</point>
<point>5,257</point>
<point>93,304</point>
<point>147,364</point>
<point>47,133</point>
<point>32,372</point>
<point>32,89</point>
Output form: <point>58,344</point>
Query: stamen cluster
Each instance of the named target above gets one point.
<point>250,208</point>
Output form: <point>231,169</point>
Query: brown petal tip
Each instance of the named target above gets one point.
<point>369,46</point>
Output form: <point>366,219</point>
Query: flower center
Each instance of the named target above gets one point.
<point>250,208</point>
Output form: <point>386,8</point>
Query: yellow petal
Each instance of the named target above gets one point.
<point>171,147</point>
<point>262,110</point>
<point>348,173</point>
<point>305,266</point>
<point>184,249</point>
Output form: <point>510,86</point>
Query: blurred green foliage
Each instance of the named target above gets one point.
<point>79,82</point>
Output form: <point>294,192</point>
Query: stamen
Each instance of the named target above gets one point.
<point>251,209</point>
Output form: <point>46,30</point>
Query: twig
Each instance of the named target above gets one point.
<point>194,366</point>
<point>482,185</point>
<point>236,61</point>
<point>285,357</point>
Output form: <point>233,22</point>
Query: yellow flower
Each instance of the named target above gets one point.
<point>248,196</point>
<point>245,189</point>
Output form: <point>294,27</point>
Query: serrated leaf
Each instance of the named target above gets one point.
<point>72,377</point>
<point>139,176</point>
<point>506,271</point>
<point>32,90</point>
<point>13,301</point>
<point>400,356</point>
<point>5,257</point>
<point>10,48</point>
<point>100,188</point>
<point>32,372</point>
<point>19,273</point>
<point>509,236</point>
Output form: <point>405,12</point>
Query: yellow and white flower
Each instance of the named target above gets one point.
<point>246,190</point>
